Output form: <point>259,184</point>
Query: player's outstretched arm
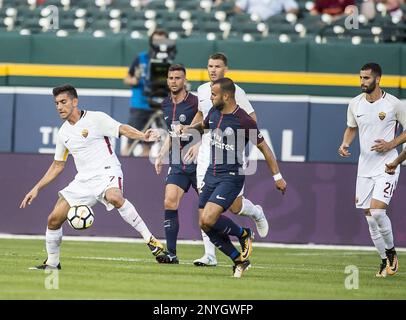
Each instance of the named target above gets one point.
<point>54,170</point>
<point>132,133</point>
<point>280,183</point>
<point>349,135</point>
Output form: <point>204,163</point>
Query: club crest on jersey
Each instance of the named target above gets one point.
<point>228,131</point>
<point>85,133</point>
<point>382,115</point>
<point>182,118</point>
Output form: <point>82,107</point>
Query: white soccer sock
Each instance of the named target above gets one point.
<point>384,226</point>
<point>209,247</point>
<point>376,236</point>
<point>248,209</point>
<point>53,239</point>
<point>131,216</point>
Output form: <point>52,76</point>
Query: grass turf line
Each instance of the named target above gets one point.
<point>101,270</point>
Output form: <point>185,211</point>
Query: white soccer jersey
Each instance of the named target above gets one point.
<point>88,140</point>
<point>204,94</point>
<point>205,104</point>
<point>377,120</point>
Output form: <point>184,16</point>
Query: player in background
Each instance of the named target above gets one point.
<point>217,67</point>
<point>87,136</point>
<point>179,107</point>
<point>231,129</point>
<point>375,114</point>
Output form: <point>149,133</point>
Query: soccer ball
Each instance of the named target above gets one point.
<point>80,217</point>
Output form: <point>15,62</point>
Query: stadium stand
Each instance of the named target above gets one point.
<point>197,18</point>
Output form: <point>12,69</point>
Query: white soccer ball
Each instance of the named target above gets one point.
<point>80,217</point>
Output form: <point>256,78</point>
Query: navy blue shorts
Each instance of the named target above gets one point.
<point>221,189</point>
<point>182,179</point>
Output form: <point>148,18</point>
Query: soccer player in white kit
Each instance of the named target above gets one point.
<point>87,136</point>
<point>217,67</point>
<point>375,114</point>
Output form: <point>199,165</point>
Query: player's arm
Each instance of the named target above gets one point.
<point>193,151</point>
<point>349,135</point>
<point>53,171</point>
<point>391,167</point>
<point>384,146</point>
<point>132,133</point>
<point>280,183</point>
<point>162,153</point>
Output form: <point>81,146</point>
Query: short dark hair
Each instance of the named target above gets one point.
<point>219,56</point>
<point>69,89</point>
<point>226,84</point>
<point>158,32</point>
<point>177,67</point>
<point>374,67</point>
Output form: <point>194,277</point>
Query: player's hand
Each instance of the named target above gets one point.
<point>391,167</point>
<point>29,198</point>
<point>151,135</point>
<point>191,154</point>
<point>158,164</point>
<point>178,129</point>
<point>281,185</point>
<point>343,150</point>
<point>381,146</point>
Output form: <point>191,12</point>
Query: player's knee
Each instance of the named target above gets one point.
<point>54,222</point>
<point>206,222</point>
<point>170,203</point>
<point>116,200</point>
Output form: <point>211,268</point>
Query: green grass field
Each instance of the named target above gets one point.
<point>102,270</point>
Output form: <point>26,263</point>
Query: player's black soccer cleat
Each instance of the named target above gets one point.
<point>246,243</point>
<point>239,268</point>
<point>167,257</point>
<point>382,269</point>
<point>45,266</point>
<point>392,262</point>
<point>155,246</point>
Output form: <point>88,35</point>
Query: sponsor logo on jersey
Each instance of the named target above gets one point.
<point>85,133</point>
<point>382,115</point>
<point>182,118</point>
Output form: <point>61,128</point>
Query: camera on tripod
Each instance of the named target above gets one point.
<point>162,54</point>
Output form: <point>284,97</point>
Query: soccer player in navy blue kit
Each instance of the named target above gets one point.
<point>231,129</point>
<point>179,107</point>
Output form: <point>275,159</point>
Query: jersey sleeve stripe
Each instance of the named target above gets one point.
<point>65,155</point>
<point>108,144</point>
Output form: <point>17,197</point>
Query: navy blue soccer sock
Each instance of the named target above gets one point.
<point>223,243</point>
<point>171,225</point>
<point>225,225</point>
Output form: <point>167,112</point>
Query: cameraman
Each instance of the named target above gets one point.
<point>140,109</point>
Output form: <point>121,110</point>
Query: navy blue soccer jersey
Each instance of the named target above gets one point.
<point>174,114</point>
<point>230,134</point>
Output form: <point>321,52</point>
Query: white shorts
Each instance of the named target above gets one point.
<point>380,188</point>
<point>90,191</point>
